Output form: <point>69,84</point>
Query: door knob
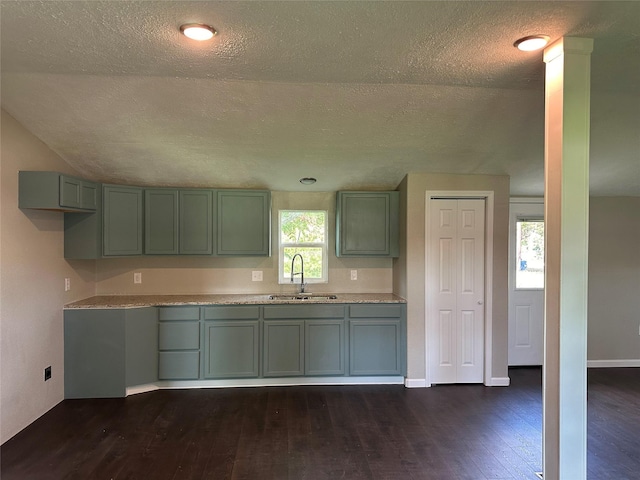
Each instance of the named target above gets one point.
<point>480,302</point>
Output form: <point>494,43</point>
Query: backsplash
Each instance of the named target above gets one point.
<point>201,275</point>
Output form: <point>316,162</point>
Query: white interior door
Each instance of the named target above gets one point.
<point>455,285</point>
<point>526,282</point>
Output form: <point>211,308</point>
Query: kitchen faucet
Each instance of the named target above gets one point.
<point>301,272</point>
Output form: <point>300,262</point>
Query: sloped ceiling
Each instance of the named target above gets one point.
<point>356,94</point>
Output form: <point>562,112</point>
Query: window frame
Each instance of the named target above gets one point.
<point>324,246</point>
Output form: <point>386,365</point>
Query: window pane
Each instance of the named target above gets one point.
<point>530,254</point>
<point>312,257</point>
<point>302,226</point>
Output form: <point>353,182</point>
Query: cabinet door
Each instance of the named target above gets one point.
<point>283,348</point>
<point>375,347</point>
<point>89,195</point>
<point>70,192</point>
<point>231,349</point>
<point>367,224</point>
<point>122,220</point>
<point>243,222</point>
<point>161,222</point>
<point>196,222</point>
<point>324,347</point>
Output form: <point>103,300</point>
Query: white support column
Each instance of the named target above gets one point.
<point>567,102</point>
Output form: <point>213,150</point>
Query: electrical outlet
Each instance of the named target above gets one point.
<point>256,276</point>
<point>47,373</point>
<point>354,274</point>
<point>137,277</point>
<point>67,284</point>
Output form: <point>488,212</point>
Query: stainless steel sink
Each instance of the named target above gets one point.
<point>303,296</point>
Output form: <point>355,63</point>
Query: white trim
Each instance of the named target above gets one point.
<point>526,200</point>
<point>488,196</point>
<point>416,383</point>
<point>613,363</point>
<point>265,382</point>
<point>500,382</point>
<point>149,387</point>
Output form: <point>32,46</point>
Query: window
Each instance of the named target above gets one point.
<point>529,254</point>
<point>303,232</point>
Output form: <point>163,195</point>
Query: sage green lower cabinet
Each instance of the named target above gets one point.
<point>179,343</point>
<point>377,339</point>
<point>232,342</point>
<point>108,350</point>
<point>324,347</point>
<point>283,348</point>
<point>304,340</point>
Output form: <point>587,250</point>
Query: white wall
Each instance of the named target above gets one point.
<point>194,275</point>
<point>614,279</point>
<point>32,286</point>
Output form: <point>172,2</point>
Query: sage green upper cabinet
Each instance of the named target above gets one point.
<point>122,220</point>
<point>243,222</point>
<point>55,191</point>
<point>178,222</point>
<point>367,224</point>
<point>161,221</point>
<point>195,222</point>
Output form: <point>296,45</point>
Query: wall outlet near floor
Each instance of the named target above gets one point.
<point>137,277</point>
<point>354,274</point>
<point>256,276</point>
<point>67,284</point>
<point>47,373</point>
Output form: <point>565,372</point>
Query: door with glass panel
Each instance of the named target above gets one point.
<point>526,282</point>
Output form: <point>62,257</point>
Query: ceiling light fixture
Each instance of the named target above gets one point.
<point>308,181</point>
<point>531,43</point>
<point>197,31</point>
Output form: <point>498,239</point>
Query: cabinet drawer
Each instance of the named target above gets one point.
<point>179,336</point>
<point>178,365</point>
<point>232,313</point>
<point>178,313</point>
<point>375,311</point>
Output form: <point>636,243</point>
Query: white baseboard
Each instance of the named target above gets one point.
<point>265,382</point>
<point>499,382</point>
<point>149,387</point>
<point>613,363</point>
<point>415,383</point>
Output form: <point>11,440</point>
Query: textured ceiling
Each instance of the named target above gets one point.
<point>356,94</point>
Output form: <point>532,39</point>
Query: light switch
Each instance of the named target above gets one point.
<point>67,284</point>
<point>137,277</point>
<point>354,274</point>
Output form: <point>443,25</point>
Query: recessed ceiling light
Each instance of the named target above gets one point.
<point>307,181</point>
<point>531,43</point>
<point>197,31</point>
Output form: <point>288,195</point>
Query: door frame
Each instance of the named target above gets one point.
<point>516,214</point>
<point>488,197</point>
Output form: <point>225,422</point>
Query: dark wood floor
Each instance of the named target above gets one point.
<point>350,432</point>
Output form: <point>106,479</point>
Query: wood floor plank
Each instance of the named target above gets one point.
<point>314,433</point>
